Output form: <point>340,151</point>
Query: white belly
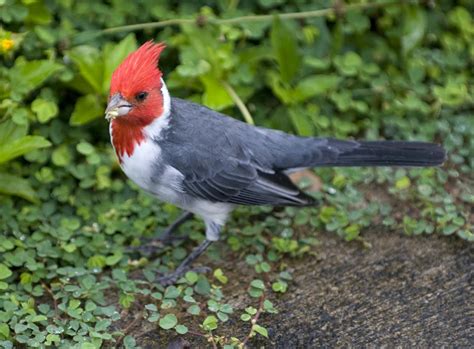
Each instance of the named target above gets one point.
<point>139,166</point>
<point>143,167</point>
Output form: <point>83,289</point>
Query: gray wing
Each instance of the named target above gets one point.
<point>218,178</point>
<point>218,166</point>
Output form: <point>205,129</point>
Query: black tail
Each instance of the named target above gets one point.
<point>382,153</point>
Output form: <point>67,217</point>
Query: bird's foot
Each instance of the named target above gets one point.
<point>172,278</point>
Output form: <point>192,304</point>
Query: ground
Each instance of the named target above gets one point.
<point>403,291</point>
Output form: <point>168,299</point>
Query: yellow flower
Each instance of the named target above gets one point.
<point>6,44</point>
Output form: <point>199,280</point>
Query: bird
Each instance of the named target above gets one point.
<point>207,163</point>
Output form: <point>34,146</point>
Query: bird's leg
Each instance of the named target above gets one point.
<point>184,266</point>
<point>166,237</point>
<point>212,234</point>
<point>149,245</point>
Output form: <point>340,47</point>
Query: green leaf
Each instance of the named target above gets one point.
<point>215,95</point>
<point>61,156</point>
<point>191,277</point>
<point>257,283</point>
<point>315,85</point>
<point>168,321</point>
<point>181,329</point>
<point>285,49</point>
<point>28,75</point>
<point>4,330</point>
<point>219,275</point>
<point>349,64</point>
<point>5,272</point>
<point>414,28</point>
<point>260,330</point>
<point>114,258</point>
<point>90,64</point>
<point>87,108</point>
<point>114,55</point>
<point>13,185</point>
<point>245,317</point>
<point>45,110</point>
<point>10,131</point>
<point>280,286</point>
<point>194,309</point>
<point>21,146</point>
<point>151,307</point>
<point>302,121</point>
<point>210,323</point>
<point>38,12</point>
<point>85,148</point>
<point>403,183</point>
<point>126,300</point>
<point>172,292</point>
<point>129,342</point>
<point>96,261</point>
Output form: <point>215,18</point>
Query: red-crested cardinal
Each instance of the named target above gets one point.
<point>208,163</point>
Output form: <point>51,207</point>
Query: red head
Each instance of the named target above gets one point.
<point>135,98</point>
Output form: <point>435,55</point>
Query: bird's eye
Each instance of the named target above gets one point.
<point>140,97</point>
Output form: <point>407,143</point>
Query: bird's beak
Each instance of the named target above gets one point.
<point>117,107</point>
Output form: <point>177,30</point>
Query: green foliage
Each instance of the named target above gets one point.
<point>95,70</point>
<point>67,279</point>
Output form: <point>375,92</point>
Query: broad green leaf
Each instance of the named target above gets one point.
<point>260,330</point>
<point>210,323</point>
<point>4,330</point>
<point>281,90</point>
<point>194,309</point>
<point>17,186</point>
<point>28,75</point>
<point>168,321</point>
<point>257,283</point>
<point>5,272</point>
<point>21,146</point>
<point>9,131</point>
<point>38,13</point>
<point>61,156</point>
<point>181,329</point>
<point>114,55</point>
<point>285,49</point>
<point>215,96</point>
<point>129,342</point>
<point>315,85</point>
<point>302,122</point>
<point>90,64</point>
<point>87,108</point>
<point>414,28</point>
<point>44,109</point>
<point>348,64</point>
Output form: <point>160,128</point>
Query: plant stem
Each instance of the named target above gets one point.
<point>252,18</point>
<point>51,294</point>
<point>238,102</point>
<point>254,320</point>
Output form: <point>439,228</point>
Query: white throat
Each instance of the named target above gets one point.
<point>155,129</point>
